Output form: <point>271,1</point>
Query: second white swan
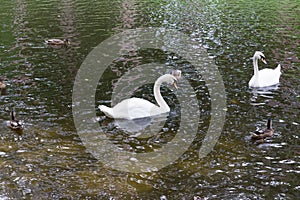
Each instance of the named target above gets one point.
<point>265,77</point>
<point>135,108</point>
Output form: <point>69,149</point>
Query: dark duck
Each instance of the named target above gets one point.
<point>14,123</point>
<point>262,134</point>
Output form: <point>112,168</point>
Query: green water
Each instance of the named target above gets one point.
<point>49,160</point>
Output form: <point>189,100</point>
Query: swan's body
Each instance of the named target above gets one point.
<point>135,108</point>
<point>265,77</point>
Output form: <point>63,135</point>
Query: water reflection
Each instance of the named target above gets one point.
<point>266,92</point>
<point>143,127</point>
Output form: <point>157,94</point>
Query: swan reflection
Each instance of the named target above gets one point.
<point>266,92</point>
<point>142,127</point>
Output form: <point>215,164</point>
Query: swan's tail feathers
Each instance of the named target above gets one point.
<point>278,68</point>
<point>107,111</point>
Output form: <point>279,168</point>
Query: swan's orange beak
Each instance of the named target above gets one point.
<point>175,84</point>
<point>264,61</point>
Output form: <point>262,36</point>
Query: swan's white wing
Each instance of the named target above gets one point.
<point>251,82</point>
<point>278,69</point>
<point>268,77</point>
<point>134,108</point>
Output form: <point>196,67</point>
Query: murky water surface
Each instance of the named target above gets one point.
<point>50,161</point>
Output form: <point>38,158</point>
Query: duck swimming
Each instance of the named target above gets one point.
<point>58,42</point>
<point>14,123</point>
<point>262,134</point>
<point>265,77</point>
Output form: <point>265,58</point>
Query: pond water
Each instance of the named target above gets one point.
<point>49,159</point>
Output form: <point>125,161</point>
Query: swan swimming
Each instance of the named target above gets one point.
<point>135,108</point>
<point>265,77</point>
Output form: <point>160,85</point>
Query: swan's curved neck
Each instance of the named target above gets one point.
<point>255,65</point>
<point>159,99</point>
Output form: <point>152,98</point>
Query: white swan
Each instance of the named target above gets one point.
<point>265,77</point>
<point>135,108</point>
